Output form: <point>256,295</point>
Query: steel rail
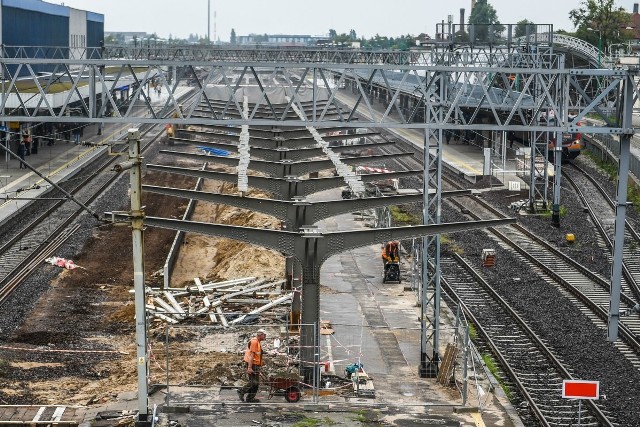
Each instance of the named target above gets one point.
<point>533,395</point>
<point>630,282</point>
<point>60,234</point>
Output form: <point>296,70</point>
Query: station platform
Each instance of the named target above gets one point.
<point>57,162</point>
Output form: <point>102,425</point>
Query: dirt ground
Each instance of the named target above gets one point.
<point>80,339</point>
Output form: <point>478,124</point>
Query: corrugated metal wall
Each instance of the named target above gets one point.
<point>95,33</point>
<point>21,27</point>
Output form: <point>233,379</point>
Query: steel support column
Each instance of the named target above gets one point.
<point>621,207</point>
<point>432,180</point>
<point>563,95</point>
<point>137,230</point>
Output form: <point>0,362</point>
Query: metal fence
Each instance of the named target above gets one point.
<point>203,364</point>
<point>607,148</point>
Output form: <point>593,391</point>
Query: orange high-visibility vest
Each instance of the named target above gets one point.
<point>253,354</point>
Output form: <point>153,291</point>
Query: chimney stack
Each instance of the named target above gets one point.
<point>462,19</point>
<point>635,8</point>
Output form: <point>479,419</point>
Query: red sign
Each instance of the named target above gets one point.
<point>576,389</point>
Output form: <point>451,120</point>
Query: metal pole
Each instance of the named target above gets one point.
<point>137,216</point>
<point>557,152</point>
<point>579,411</point>
<point>316,363</point>
<point>621,208</point>
<point>465,367</point>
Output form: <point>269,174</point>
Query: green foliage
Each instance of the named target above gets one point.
<point>308,422</point>
<point>445,240</point>
<point>401,216</point>
<point>521,28</point>
<point>493,368</point>
<point>484,13</point>
<point>473,332</point>
<point>611,169</point>
<point>600,23</point>
<point>549,213</point>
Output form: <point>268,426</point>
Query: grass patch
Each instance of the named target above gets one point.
<point>611,169</point>
<point>473,333</point>
<point>548,213</point>
<point>445,240</point>
<point>400,216</point>
<point>308,422</point>
<point>493,368</point>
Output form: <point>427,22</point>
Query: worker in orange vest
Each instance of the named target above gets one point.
<point>253,360</point>
<point>390,252</point>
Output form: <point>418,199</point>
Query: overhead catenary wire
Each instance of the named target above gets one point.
<point>65,192</point>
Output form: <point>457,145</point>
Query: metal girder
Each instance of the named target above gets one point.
<point>495,84</point>
<point>283,169</point>
<point>283,188</point>
<point>282,153</point>
<point>301,212</point>
<point>290,146</point>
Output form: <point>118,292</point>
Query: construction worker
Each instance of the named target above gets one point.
<point>391,253</point>
<point>253,360</point>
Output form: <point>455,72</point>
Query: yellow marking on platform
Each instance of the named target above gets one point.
<point>79,156</point>
<point>477,418</point>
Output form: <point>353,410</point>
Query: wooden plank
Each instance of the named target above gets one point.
<point>19,414</point>
<point>9,413</point>
<point>31,412</point>
<point>447,365</point>
<point>57,415</point>
<point>39,414</point>
<point>223,319</point>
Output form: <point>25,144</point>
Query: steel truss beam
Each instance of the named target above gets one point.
<point>283,169</point>
<point>502,87</point>
<point>302,211</point>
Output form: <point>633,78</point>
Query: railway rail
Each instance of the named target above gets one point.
<point>530,364</point>
<point>28,244</point>
<point>600,206</point>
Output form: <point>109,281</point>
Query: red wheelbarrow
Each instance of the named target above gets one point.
<point>287,387</point>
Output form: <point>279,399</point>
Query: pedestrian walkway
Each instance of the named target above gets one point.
<point>57,161</point>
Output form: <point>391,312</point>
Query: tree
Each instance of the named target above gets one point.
<point>483,15</point>
<point>521,28</point>
<point>600,22</point>
<point>332,34</point>
<point>232,39</point>
<point>352,35</point>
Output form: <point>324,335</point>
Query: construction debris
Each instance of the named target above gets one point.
<point>61,262</point>
<point>217,302</point>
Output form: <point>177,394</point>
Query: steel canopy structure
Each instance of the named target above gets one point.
<point>481,87</point>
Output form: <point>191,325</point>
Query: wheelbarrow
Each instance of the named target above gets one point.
<point>287,387</point>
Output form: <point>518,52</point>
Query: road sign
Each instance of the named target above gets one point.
<point>577,389</point>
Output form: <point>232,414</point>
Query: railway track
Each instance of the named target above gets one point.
<point>602,211</point>
<point>28,245</point>
<point>531,366</point>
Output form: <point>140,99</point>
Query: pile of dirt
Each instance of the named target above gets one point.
<point>80,336</point>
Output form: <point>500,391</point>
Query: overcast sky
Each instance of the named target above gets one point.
<point>366,17</point>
